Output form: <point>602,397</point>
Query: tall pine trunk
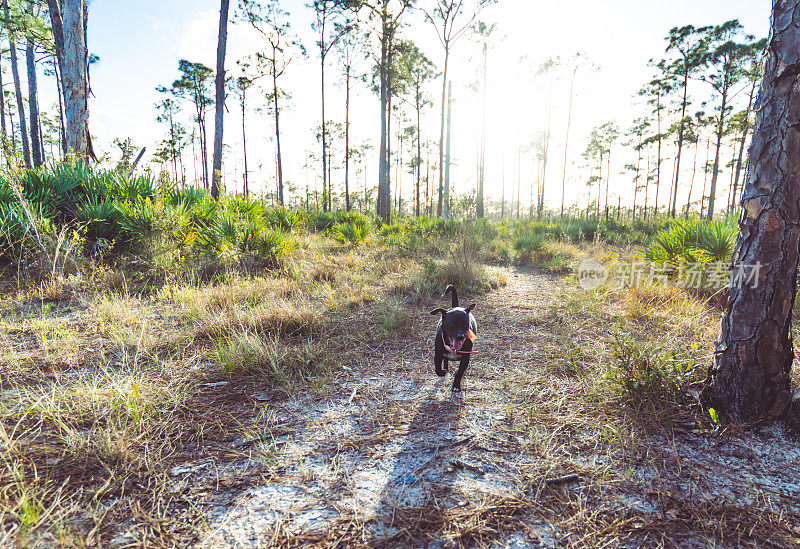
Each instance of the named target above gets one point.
<point>751,374</point>
<point>325,182</point>
<point>347,139</point>
<point>245,184</point>
<point>277,135</point>
<point>715,174</point>
<point>75,79</point>
<point>33,107</point>
<point>441,131</point>
<point>680,142</point>
<point>37,150</point>
<point>219,108</point>
<point>23,126</point>
<point>658,159</point>
<point>418,101</point>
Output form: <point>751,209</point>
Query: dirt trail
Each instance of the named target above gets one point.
<point>372,464</point>
<point>353,466</point>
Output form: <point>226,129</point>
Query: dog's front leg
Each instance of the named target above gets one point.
<point>437,361</point>
<point>462,368</point>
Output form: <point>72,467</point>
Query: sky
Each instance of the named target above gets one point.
<point>140,43</point>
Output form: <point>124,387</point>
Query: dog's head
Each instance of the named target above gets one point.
<point>455,325</point>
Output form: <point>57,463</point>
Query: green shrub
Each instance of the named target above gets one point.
<point>692,241</point>
<point>283,219</point>
<point>648,376</point>
<point>529,246</point>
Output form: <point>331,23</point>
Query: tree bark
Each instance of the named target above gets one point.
<point>750,376</point>
<point>219,110</point>
<point>383,201</point>
<point>75,79</point>
<point>33,102</point>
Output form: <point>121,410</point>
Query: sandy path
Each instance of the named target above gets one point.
<point>350,465</point>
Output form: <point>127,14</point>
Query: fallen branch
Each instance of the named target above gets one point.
<point>562,480</point>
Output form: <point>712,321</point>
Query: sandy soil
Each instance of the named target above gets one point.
<point>392,458</point>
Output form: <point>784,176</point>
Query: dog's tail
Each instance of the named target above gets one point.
<point>452,290</point>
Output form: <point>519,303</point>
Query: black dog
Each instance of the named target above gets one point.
<point>454,337</point>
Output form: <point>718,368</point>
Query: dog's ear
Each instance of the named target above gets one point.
<point>469,309</point>
<point>438,311</point>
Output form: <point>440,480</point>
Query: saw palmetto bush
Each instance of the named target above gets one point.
<point>150,222</point>
<point>692,241</point>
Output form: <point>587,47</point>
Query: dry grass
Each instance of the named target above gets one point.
<point>106,388</point>
<point>108,391</point>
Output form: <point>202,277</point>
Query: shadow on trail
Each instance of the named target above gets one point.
<point>416,480</point>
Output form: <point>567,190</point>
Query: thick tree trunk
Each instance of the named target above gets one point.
<point>75,79</point>
<point>750,377</point>
<point>219,110</point>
